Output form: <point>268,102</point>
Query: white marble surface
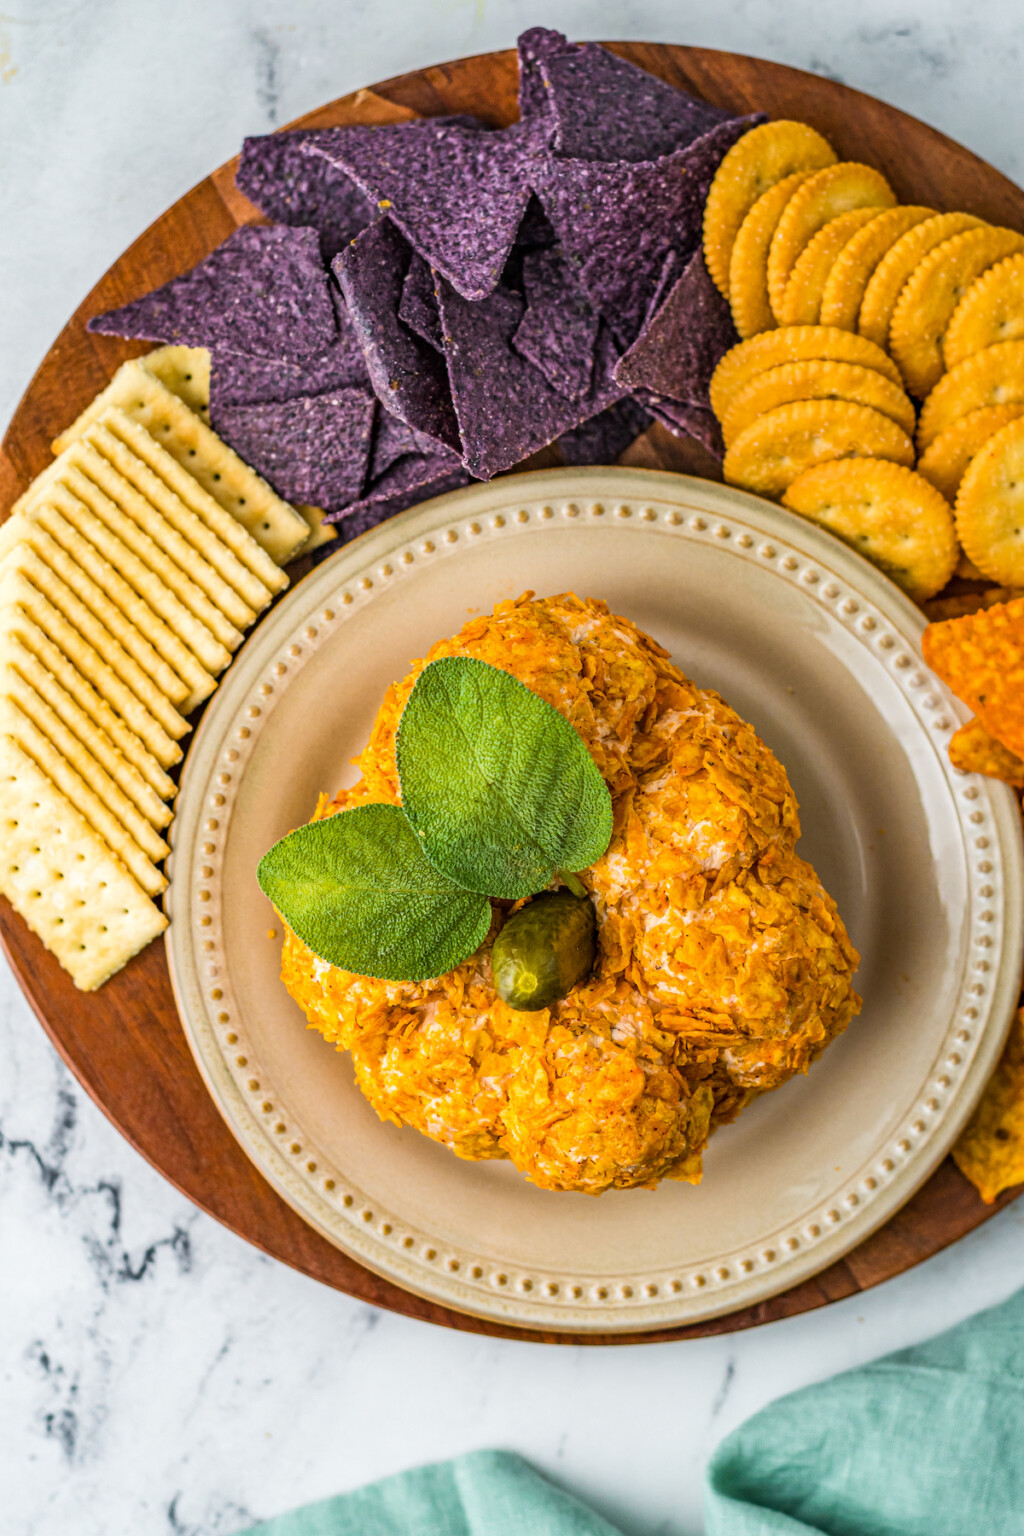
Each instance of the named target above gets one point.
<point>158,1375</point>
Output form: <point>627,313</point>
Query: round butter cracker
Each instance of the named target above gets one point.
<point>821,198</point>
<point>761,158</point>
<point>888,514</point>
<point>776,448</point>
<point>801,298</point>
<point>992,377</point>
<point>893,271</point>
<point>991,311</point>
<point>794,344</point>
<point>853,267</point>
<point>748,264</point>
<point>990,506</point>
<point>931,295</point>
<point>944,461</point>
<point>817,379</point>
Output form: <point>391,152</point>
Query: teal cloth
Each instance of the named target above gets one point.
<point>926,1442</point>
<point>488,1493</point>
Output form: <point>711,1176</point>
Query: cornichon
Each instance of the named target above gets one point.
<point>545,950</point>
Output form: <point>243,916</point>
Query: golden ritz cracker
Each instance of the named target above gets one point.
<point>886,512</point>
<point>802,295</point>
<point>129,572</point>
<point>853,267</point>
<point>817,379</point>
<point>945,460</point>
<point>817,201</point>
<point>931,295</point>
<point>990,312</point>
<point>774,449</point>
<point>757,162</point>
<point>748,264</point>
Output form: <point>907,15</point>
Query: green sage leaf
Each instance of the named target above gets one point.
<point>499,787</point>
<point>358,889</point>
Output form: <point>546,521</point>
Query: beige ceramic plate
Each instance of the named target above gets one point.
<point>822,654</point>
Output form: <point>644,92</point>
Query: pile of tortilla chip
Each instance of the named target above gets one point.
<point>980,656</point>
<point>435,300</point>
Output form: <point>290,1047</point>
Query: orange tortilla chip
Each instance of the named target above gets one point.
<point>990,1151</point>
<point>973,750</point>
<point>981,657</point>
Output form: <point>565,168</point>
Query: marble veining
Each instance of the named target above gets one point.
<point>157,1375</point>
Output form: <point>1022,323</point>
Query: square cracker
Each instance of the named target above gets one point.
<point>147,530</point>
<point>272,522</point>
<point>137,455</point>
<point>981,658</point>
<point>26,702</point>
<point>20,668</point>
<point>43,664</point>
<point>22,560</point>
<point>185,371</point>
<point>28,614</point>
<point>63,880</point>
<point>42,527</point>
<point>15,724</point>
<point>145,579</point>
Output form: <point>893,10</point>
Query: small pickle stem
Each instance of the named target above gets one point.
<point>576,886</point>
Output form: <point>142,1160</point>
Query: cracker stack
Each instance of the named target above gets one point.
<point>129,572</point>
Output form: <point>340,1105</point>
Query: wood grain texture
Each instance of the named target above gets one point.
<point>124,1043</point>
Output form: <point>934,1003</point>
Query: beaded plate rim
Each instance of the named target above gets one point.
<point>273,1137</point>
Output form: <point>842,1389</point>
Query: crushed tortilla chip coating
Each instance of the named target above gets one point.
<point>723,966</point>
<point>973,750</point>
<point>981,658</point>
<point>990,1151</point>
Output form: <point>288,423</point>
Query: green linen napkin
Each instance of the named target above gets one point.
<point>488,1493</point>
<point>926,1442</point>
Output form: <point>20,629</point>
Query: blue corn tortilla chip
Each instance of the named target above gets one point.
<point>293,188</point>
<point>409,377</point>
<point>506,407</point>
<point>617,221</point>
<point>534,48</point>
<point>456,192</point>
<point>394,440</point>
<point>264,292</point>
<point>311,450</point>
<point>418,305</point>
<point>687,420</point>
<point>604,437</point>
<point>607,109</point>
<point>558,330</point>
<point>236,379</point>
<point>411,479</point>
<point>682,344</point>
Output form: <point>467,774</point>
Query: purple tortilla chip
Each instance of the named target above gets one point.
<point>394,439</point>
<point>681,346</point>
<point>418,306</point>
<point>505,406</point>
<point>687,420</point>
<point>236,379</point>
<point>604,437</point>
<point>311,450</point>
<point>414,478</point>
<point>558,331</point>
<point>618,221</point>
<point>535,47</point>
<point>457,193</point>
<point>607,109</point>
<point>263,292</point>
<point>293,188</point>
<point>409,377</point>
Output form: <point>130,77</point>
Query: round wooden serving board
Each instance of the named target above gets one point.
<point>125,1043</point>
